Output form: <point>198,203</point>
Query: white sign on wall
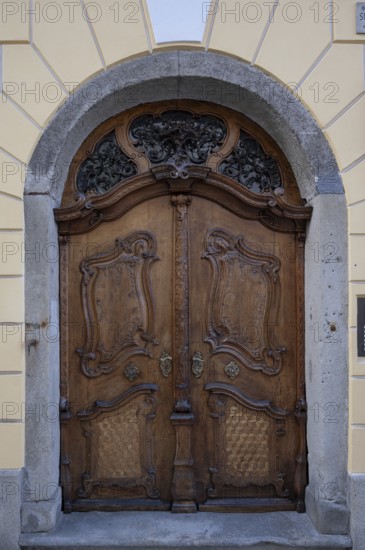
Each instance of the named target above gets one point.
<point>360,18</point>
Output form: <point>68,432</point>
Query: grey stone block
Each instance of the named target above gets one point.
<point>327,364</point>
<point>357,507</point>
<point>329,518</point>
<point>38,517</point>
<point>10,500</point>
<point>163,530</point>
<point>42,435</point>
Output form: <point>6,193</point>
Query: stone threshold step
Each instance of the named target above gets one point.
<point>163,530</point>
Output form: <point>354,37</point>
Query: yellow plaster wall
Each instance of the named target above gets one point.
<point>121,30</point>
<point>232,22</point>
<point>328,90</point>
<point>29,82</point>
<point>343,23</point>
<point>12,443</point>
<point>14,21</point>
<point>46,54</point>
<point>64,39</point>
<point>286,52</point>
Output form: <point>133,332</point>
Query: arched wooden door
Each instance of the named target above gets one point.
<point>182,288</point>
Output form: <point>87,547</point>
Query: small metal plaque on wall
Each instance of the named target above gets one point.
<point>361,327</point>
<point>360,18</point>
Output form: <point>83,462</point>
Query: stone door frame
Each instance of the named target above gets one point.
<point>231,83</point>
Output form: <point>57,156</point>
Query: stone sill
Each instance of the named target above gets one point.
<point>159,530</point>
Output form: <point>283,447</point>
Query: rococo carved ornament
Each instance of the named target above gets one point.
<point>252,279</point>
<point>181,140</point>
<point>178,138</point>
<point>180,181</point>
<point>181,204</point>
<point>249,165</point>
<point>128,263</point>
<point>106,166</point>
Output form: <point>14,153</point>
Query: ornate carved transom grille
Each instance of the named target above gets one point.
<point>249,165</point>
<point>177,139</point>
<point>105,167</point>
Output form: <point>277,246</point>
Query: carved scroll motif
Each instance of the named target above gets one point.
<point>249,165</point>
<point>245,441</point>
<point>106,166</point>
<point>250,280</point>
<point>117,303</point>
<point>181,294</point>
<point>178,138</point>
<point>183,487</point>
<point>119,442</point>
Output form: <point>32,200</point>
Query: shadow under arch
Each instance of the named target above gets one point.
<point>231,83</point>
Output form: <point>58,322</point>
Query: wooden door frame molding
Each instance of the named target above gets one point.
<point>273,212</point>
<point>234,84</point>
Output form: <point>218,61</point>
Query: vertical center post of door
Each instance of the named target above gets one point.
<point>183,483</point>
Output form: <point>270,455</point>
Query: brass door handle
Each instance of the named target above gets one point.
<point>198,364</point>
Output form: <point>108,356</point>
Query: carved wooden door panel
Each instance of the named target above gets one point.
<point>248,446</point>
<point>182,317</point>
<point>118,442</point>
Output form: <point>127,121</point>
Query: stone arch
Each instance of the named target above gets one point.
<point>236,85</point>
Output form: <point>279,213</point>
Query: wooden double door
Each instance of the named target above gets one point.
<point>182,352</point>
